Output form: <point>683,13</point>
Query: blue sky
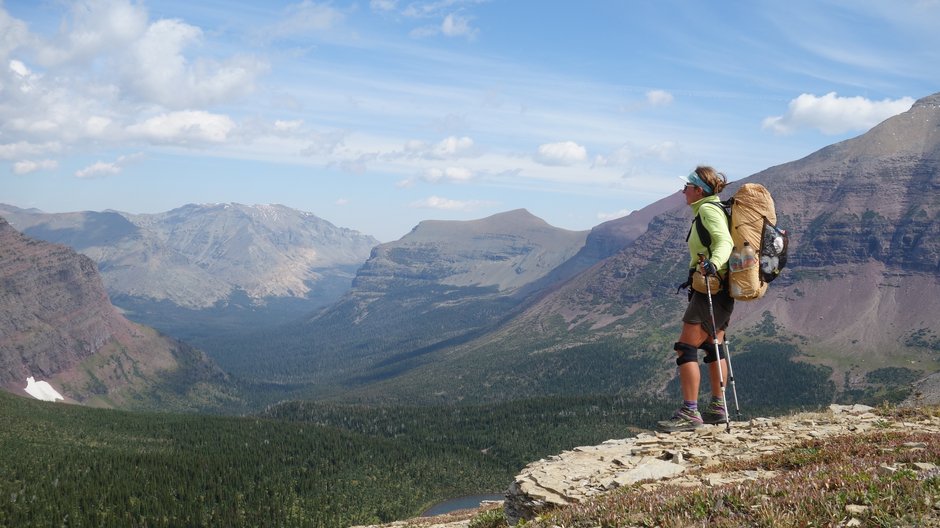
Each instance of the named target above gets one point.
<point>376,115</point>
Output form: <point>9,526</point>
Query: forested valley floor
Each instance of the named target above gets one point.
<point>296,464</point>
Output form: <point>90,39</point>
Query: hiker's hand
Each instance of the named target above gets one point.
<point>687,283</point>
<point>708,268</point>
<point>683,286</point>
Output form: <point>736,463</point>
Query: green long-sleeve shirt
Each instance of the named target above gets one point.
<point>716,222</point>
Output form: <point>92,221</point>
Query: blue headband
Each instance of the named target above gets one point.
<point>699,182</point>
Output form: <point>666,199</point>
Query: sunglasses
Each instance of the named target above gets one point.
<point>688,186</point>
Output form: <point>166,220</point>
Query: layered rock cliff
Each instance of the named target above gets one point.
<point>56,313</point>
<point>873,197</point>
<point>58,325</point>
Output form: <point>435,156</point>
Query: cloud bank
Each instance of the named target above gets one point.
<point>832,114</point>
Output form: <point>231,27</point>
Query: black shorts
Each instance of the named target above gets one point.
<point>697,312</point>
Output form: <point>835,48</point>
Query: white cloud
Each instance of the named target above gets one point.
<point>659,97</point>
<point>563,153</point>
<point>436,202</point>
<point>22,78</point>
<point>450,174</point>
<point>102,169</point>
<point>97,126</point>
<point>831,114</point>
<point>439,175</point>
<point>341,202</point>
<point>98,169</point>
<point>184,128</point>
<point>24,149</point>
<point>28,166</point>
<point>96,27</point>
<point>451,147</point>
<point>457,26</point>
<point>19,69</point>
<point>158,70</point>
<point>106,65</point>
<point>13,34</point>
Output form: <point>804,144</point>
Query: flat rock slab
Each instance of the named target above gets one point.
<point>683,459</point>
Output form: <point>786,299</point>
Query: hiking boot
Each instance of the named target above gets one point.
<point>685,419</point>
<point>715,413</point>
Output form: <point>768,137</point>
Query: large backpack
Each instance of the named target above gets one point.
<point>751,219</point>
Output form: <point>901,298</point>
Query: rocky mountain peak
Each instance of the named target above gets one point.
<point>931,101</point>
<point>914,134</point>
<point>513,223</point>
<point>506,250</point>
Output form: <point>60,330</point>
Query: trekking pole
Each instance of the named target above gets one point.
<point>711,311</point>
<point>734,390</point>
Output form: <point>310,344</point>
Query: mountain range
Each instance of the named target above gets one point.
<point>204,269</point>
<point>855,314</point>
<point>443,283</point>
<point>509,307</point>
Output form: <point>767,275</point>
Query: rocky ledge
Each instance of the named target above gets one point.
<point>684,459</point>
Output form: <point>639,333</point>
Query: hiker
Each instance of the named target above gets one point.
<point>702,186</point>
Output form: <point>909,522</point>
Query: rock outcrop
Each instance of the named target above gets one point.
<point>683,459</point>
<point>689,459</point>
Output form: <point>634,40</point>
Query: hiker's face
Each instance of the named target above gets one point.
<point>692,193</point>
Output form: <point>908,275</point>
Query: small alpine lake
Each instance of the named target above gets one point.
<point>461,503</point>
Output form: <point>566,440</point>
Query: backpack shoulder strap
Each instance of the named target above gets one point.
<point>703,233</point>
